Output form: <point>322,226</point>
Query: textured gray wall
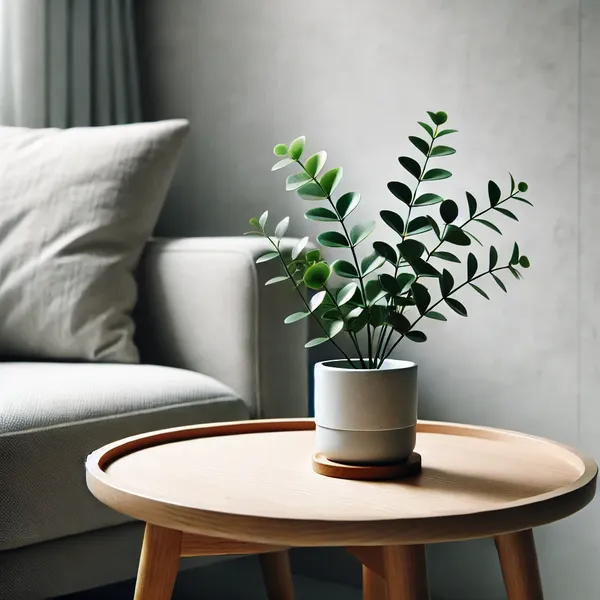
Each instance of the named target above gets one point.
<point>521,81</point>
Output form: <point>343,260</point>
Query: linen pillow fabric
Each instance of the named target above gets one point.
<point>76,209</point>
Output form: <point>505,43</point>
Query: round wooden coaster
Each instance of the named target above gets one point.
<point>323,466</point>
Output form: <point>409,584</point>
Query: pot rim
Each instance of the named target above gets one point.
<point>389,364</point>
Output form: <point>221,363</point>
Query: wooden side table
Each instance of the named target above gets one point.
<point>248,487</point>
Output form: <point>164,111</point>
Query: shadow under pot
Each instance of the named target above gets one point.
<point>365,416</point>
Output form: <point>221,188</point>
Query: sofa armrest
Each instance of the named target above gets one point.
<point>203,307</point>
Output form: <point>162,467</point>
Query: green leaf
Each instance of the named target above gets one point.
<point>393,220</point>
<point>479,290</point>
<point>252,233</point>
<point>493,257</point>
<point>284,162</point>
<point>448,211</point>
<point>317,275</point>
<point>434,226</point>
<point>378,315</point>
<point>524,262</point>
<point>334,328</point>
<point>522,200</point>
<point>456,306</point>
<point>386,251</point>
<point>331,179</point>
<point>295,181</point>
<point>371,262</point>
<point>523,187</point>
<point>333,239</point>
<point>423,268</point>
<point>401,191</point>
<point>472,204</point>
<point>405,281</point>
<point>472,237</point>
<point>315,163</point>
<point>446,256</point>
<point>446,132</point>
<point>446,282</point>
<point>499,282</point>
<point>513,185</point>
<point>359,322</point>
<point>514,272</point>
<point>277,279</point>
<point>455,235</point>
<point>331,314</point>
<point>506,213</point>
<point>313,255</point>
<point>494,193</point>
<point>428,199</point>
<point>432,314</point>
<point>320,214</point>
<point>514,259</point>
<point>418,225</point>
<point>297,316</point>
<point>426,127</point>
<point>346,293</point>
<point>412,249</point>
<point>411,165</point>
<point>361,231</point>
<point>316,342</point>
<point>422,298</point>
<point>443,151</point>
<point>346,269</point>
<point>300,244</point>
<point>280,150</point>
<point>347,203</point>
<point>282,227</point>
<point>355,312</point>
<point>389,284</point>
<point>399,322</point>
<point>297,147</point>
<point>254,222</point>
<point>262,221</point>
<point>419,143</point>
<point>471,265</point>
<point>439,118</point>
<point>311,191</point>
<point>317,300</point>
<point>436,175</point>
<point>374,291</point>
<point>416,336</point>
<point>488,224</point>
<point>266,257</point>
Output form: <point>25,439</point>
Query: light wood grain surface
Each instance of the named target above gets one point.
<point>219,481</point>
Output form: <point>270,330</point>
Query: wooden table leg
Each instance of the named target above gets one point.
<point>159,563</point>
<point>374,586</point>
<point>277,575</point>
<point>520,570</point>
<point>406,572</point>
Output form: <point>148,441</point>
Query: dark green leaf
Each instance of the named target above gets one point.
<point>333,239</point>
<point>456,306</point>
<point>507,213</point>
<point>300,244</point>
<point>393,220</point>
<point>445,132</point>
<point>284,162</point>
<point>439,118</point>
<point>311,191</point>
<point>313,255</point>
<point>345,294</point>
<point>355,312</point>
<point>426,127</point>
<point>295,181</point>
<point>416,336</point>
<point>399,322</point>
<point>403,301</point>
<point>436,175</point>
<point>315,163</point>
<point>411,165</point>
<point>418,225</point>
<point>386,251</point>
<point>371,262</point>
<point>359,322</point>
<point>297,147</point>
<point>479,290</point>
<point>347,203</point>
<point>422,298</point>
<point>446,282</point>
<point>297,316</point>
<point>428,199</point>
<point>524,262</point>
<point>472,204</point>
<point>522,200</point>
<point>389,284</point>
<point>411,249</point>
<point>514,259</point>
<point>405,281</point>
<point>494,193</point>
<point>331,179</point>
<point>262,221</point>
<point>280,150</point>
<point>513,185</point>
<point>277,279</point>
<point>343,268</point>
<point>448,211</point>
<point>514,272</point>
<point>320,214</point>
<point>523,187</point>
<point>432,314</point>
<point>423,268</point>
<point>488,224</point>
<point>455,235</point>
<point>472,237</point>
<point>471,265</point>
<point>374,291</point>
<point>419,144</point>
<point>317,300</point>
<point>446,256</point>
<point>401,191</point>
<point>317,275</point>
<point>499,282</point>
<point>443,151</point>
<point>331,314</point>
<point>316,342</point>
<point>266,257</point>
<point>254,222</point>
<point>434,226</point>
<point>378,315</point>
<point>282,227</point>
<point>361,231</point>
<point>493,257</point>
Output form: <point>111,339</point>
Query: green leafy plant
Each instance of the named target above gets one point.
<point>393,288</point>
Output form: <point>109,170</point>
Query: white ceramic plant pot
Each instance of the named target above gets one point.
<point>366,416</point>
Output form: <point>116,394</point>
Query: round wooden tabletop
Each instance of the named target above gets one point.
<point>253,481</point>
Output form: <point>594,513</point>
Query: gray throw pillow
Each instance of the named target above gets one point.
<point>76,209</point>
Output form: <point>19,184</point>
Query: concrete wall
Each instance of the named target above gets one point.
<point>521,81</point>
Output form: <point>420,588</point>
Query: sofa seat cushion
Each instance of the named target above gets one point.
<point>52,415</point>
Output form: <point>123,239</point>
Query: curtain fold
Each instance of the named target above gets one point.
<point>68,63</point>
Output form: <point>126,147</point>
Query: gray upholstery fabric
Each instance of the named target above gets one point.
<point>204,306</point>
<point>53,415</point>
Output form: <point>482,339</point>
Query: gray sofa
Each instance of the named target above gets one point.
<point>224,353</point>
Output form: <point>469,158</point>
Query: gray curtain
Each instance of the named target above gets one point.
<point>68,63</point>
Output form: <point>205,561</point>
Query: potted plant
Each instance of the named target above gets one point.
<point>366,404</point>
